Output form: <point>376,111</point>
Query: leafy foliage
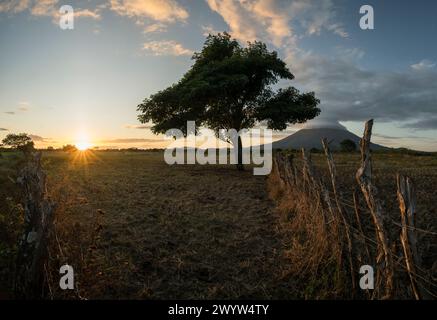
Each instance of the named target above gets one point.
<point>69,148</point>
<point>21,141</point>
<point>348,145</point>
<point>229,87</point>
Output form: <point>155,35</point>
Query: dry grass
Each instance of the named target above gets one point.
<point>11,218</point>
<point>135,228</point>
<point>166,231</point>
<point>316,247</point>
<point>314,251</point>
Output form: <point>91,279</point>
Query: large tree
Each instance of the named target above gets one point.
<point>230,87</point>
<point>21,141</point>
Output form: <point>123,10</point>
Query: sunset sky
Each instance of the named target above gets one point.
<point>67,86</point>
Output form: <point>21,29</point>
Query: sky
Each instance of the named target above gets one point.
<point>83,85</point>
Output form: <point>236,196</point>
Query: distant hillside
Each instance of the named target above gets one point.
<point>311,138</point>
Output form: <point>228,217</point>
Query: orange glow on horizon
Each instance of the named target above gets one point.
<point>82,145</point>
<point>82,141</point>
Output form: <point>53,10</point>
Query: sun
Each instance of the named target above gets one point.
<point>82,145</point>
<point>82,140</point>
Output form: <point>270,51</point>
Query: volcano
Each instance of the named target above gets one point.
<point>311,138</point>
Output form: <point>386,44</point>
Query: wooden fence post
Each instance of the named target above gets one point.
<point>360,227</point>
<point>332,171</point>
<point>364,179</point>
<point>407,204</point>
<point>38,221</point>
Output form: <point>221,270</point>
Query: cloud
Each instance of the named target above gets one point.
<point>350,93</point>
<point>166,48</point>
<point>273,21</point>
<point>23,106</point>
<point>337,29</point>
<point>132,140</point>
<point>14,6</point>
<point>36,138</point>
<point>3,129</point>
<point>78,13</point>
<point>249,20</point>
<point>383,136</point>
<point>154,28</point>
<point>9,112</point>
<point>320,15</point>
<point>158,10</point>
<point>209,29</point>
<point>45,8</point>
<point>428,123</point>
<point>350,54</point>
<point>87,13</point>
<point>423,65</point>
<point>138,126</point>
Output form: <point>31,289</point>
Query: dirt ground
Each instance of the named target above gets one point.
<point>134,227</point>
<point>170,232</point>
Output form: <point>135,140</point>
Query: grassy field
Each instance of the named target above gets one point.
<point>421,168</point>
<point>306,219</point>
<point>165,231</point>
<point>134,227</point>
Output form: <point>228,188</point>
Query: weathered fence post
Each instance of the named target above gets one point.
<point>364,179</point>
<point>341,212</point>
<point>360,227</point>
<point>407,205</point>
<point>38,221</point>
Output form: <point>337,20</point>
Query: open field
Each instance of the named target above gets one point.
<point>134,227</point>
<point>169,231</point>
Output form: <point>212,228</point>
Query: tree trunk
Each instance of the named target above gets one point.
<point>240,165</point>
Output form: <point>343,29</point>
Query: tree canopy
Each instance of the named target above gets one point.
<point>21,141</point>
<point>230,87</point>
<point>69,148</point>
<point>348,145</point>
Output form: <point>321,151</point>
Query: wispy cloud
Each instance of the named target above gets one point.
<point>423,65</point>
<point>388,137</point>
<point>209,29</point>
<point>10,112</point>
<point>158,10</point>
<point>23,106</point>
<point>14,6</point>
<point>155,28</point>
<point>132,140</point>
<point>350,54</point>
<point>138,126</point>
<point>87,13</point>
<point>36,138</point>
<point>166,48</point>
<point>43,7</point>
<point>3,129</point>
<point>351,93</point>
<point>272,21</point>
<point>46,8</point>
<point>426,123</point>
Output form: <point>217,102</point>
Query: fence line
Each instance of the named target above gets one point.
<point>351,237</point>
<point>38,222</point>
